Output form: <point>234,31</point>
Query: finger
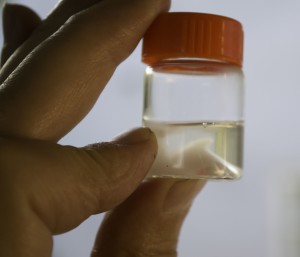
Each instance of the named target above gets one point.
<point>64,10</point>
<point>63,77</point>
<point>64,185</point>
<point>148,223</point>
<point>18,24</point>
<point>47,189</point>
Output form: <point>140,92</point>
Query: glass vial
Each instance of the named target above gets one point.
<point>194,94</point>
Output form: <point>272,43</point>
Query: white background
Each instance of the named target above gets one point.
<point>256,216</point>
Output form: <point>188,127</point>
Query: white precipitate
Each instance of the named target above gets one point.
<point>198,150</point>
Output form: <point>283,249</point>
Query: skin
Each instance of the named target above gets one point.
<point>52,73</point>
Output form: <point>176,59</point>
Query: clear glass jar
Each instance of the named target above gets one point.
<point>194,102</point>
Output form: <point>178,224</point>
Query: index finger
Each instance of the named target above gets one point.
<point>58,83</point>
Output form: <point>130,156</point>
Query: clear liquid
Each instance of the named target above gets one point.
<point>206,150</point>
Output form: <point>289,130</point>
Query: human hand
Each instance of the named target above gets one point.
<point>54,72</point>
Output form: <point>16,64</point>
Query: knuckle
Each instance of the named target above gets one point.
<point>109,44</point>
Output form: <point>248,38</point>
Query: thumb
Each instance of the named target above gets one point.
<point>64,185</point>
<point>124,163</point>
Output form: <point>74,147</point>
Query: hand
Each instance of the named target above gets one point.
<point>53,72</point>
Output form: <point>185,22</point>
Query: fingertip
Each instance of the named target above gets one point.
<point>166,5</point>
<point>142,144</point>
<point>18,23</point>
<point>181,195</point>
<point>136,135</point>
<point>18,20</point>
<point>122,164</point>
<point>145,138</point>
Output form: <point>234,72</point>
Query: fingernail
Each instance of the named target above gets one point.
<point>181,195</point>
<point>134,136</point>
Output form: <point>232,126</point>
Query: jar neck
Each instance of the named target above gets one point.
<point>192,65</point>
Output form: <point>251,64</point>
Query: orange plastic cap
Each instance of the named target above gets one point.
<point>193,35</point>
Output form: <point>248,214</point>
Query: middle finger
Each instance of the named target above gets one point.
<point>64,10</point>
